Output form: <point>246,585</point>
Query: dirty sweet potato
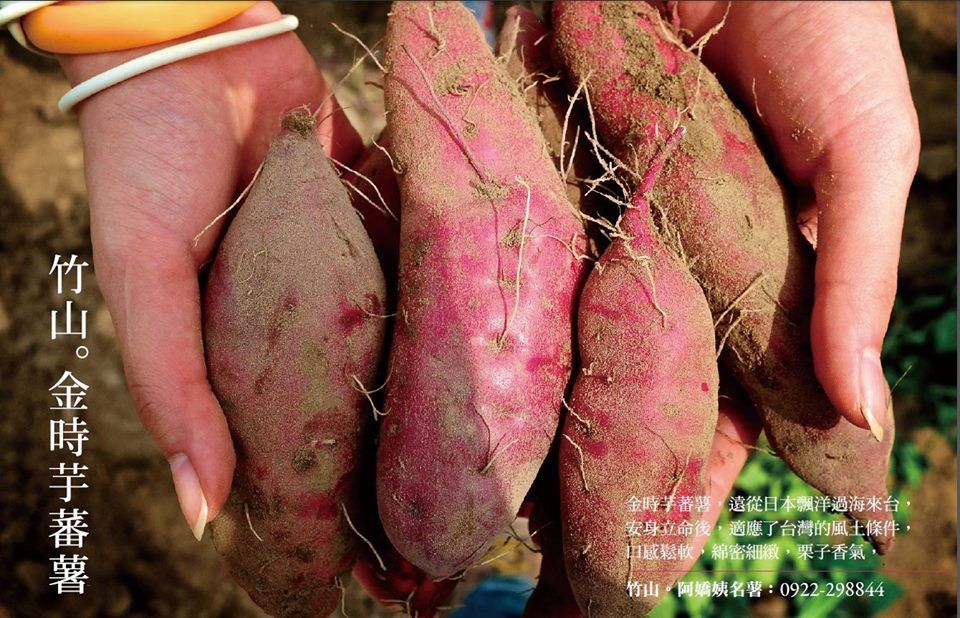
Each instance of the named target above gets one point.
<point>289,339</point>
<point>524,45</point>
<point>388,577</point>
<point>724,213</point>
<point>642,418</point>
<point>481,350</point>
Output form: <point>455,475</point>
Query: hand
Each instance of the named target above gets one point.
<point>165,153</point>
<point>831,88</point>
<point>738,428</point>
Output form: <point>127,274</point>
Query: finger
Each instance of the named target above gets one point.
<point>164,154</point>
<point>861,176</point>
<point>737,431</point>
<point>153,294</point>
<point>859,228</point>
<point>828,83</point>
<point>156,174</point>
<point>148,193</point>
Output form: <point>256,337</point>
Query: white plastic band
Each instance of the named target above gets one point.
<point>11,12</point>
<point>169,55</point>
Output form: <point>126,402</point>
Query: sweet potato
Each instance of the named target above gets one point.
<point>481,350</point>
<point>735,436</point>
<point>524,46</point>
<point>398,583</point>
<point>388,577</point>
<point>289,340</point>
<point>552,598</point>
<point>644,410</point>
<point>723,211</point>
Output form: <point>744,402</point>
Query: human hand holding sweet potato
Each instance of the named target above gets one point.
<point>165,153</point>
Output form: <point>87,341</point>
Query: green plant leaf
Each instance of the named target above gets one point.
<point>945,333</point>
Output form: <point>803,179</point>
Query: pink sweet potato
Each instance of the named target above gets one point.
<point>644,410</point>
<point>400,584</point>
<point>481,350</point>
<point>387,576</point>
<point>289,337</point>
<point>723,211</point>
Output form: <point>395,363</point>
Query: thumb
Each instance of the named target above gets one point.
<point>858,229</point>
<point>154,296</point>
<point>832,84</point>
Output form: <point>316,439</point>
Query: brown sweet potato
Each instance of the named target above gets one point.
<point>289,340</point>
<point>525,46</point>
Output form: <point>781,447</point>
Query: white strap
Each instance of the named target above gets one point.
<point>175,53</point>
<point>11,12</point>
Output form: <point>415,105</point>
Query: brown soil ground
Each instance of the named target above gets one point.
<point>143,561</point>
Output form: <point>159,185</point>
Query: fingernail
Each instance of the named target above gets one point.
<point>193,504</point>
<point>873,392</point>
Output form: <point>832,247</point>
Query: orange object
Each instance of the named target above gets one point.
<point>93,27</point>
